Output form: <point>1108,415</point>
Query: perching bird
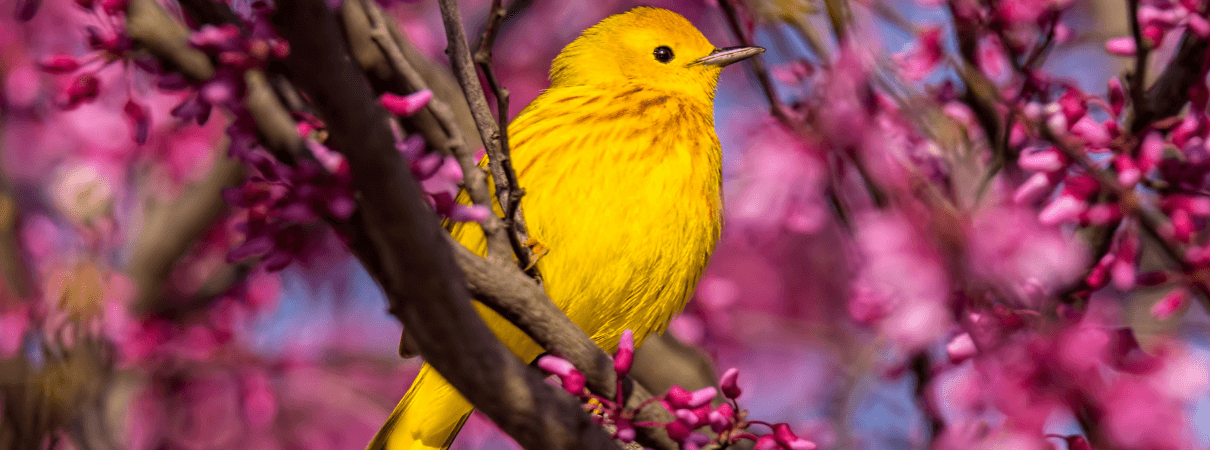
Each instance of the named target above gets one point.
<point>622,176</point>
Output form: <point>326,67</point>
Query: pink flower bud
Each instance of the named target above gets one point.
<point>59,64</point>
<point>140,121</point>
<point>1081,186</point>
<point>427,165</point>
<point>1170,304</point>
<point>1092,132</point>
<point>625,431</point>
<point>688,418</point>
<point>720,419</point>
<point>81,89</point>
<point>730,383</point>
<point>766,443</point>
<point>677,431</point>
<point>1121,46</point>
<point>1098,276</point>
<point>1057,123</point>
<point>279,48</point>
<point>1128,171</point>
<point>1182,225</point>
<point>238,60</point>
<point>1122,273</point>
<point>1018,135</point>
<point>1047,160</point>
<point>1117,96</point>
<point>625,356</point>
<point>218,91</point>
<point>573,380</point>
<point>1189,128</point>
<point>1064,209</point>
<point>1033,188</point>
<point>1033,110</point>
<point>112,7</point>
<point>701,397</point>
<point>1152,34</point>
<point>407,105</point>
<point>1072,105</point>
<point>468,213</point>
<point>1151,151</point>
<point>785,437</point>
<point>679,398</point>
<point>1102,214</point>
<point>960,348</point>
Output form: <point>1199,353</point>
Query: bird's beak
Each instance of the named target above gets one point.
<point>723,57</point>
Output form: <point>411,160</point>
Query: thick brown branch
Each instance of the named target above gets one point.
<point>417,262</point>
<point>517,298</point>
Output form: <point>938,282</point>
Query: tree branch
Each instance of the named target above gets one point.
<point>521,301</point>
<point>508,192</point>
<point>417,265</point>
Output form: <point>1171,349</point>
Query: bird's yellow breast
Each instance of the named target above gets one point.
<point>622,186</point>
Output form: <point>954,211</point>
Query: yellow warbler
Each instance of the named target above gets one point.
<point>622,174</point>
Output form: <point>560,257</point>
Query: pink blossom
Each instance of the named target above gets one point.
<point>729,383</point>
<point>960,348</point>
<point>625,355</point>
<point>1066,208</point>
<point>1172,302</point>
<point>923,57</point>
<point>573,379</point>
<point>1117,96</point>
<point>679,398</point>
<point>992,58</point>
<point>81,89</point>
<point>1046,160</point>
<point>1120,46</point>
<point>1034,188</point>
<point>405,105</point>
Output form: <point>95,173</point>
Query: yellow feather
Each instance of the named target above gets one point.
<point>622,173</point>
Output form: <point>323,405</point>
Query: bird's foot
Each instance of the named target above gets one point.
<point>537,249</point>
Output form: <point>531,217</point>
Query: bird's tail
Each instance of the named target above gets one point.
<point>428,417</point>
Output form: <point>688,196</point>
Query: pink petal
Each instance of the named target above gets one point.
<point>1121,46</point>
<point>405,105</point>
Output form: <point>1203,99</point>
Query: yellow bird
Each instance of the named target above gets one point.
<point>622,173</point>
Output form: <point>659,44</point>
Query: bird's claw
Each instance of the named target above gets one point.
<point>537,249</point>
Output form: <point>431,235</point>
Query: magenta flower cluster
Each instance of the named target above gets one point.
<point>694,410</point>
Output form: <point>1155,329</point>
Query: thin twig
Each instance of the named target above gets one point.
<point>1149,221</point>
<point>448,137</point>
<point>922,368</point>
<point>758,66</point>
<point>498,159</point>
<point>510,200</point>
<point>1142,48</point>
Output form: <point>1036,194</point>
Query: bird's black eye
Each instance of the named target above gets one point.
<point>663,54</point>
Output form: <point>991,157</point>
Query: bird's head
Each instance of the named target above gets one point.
<point>650,47</point>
